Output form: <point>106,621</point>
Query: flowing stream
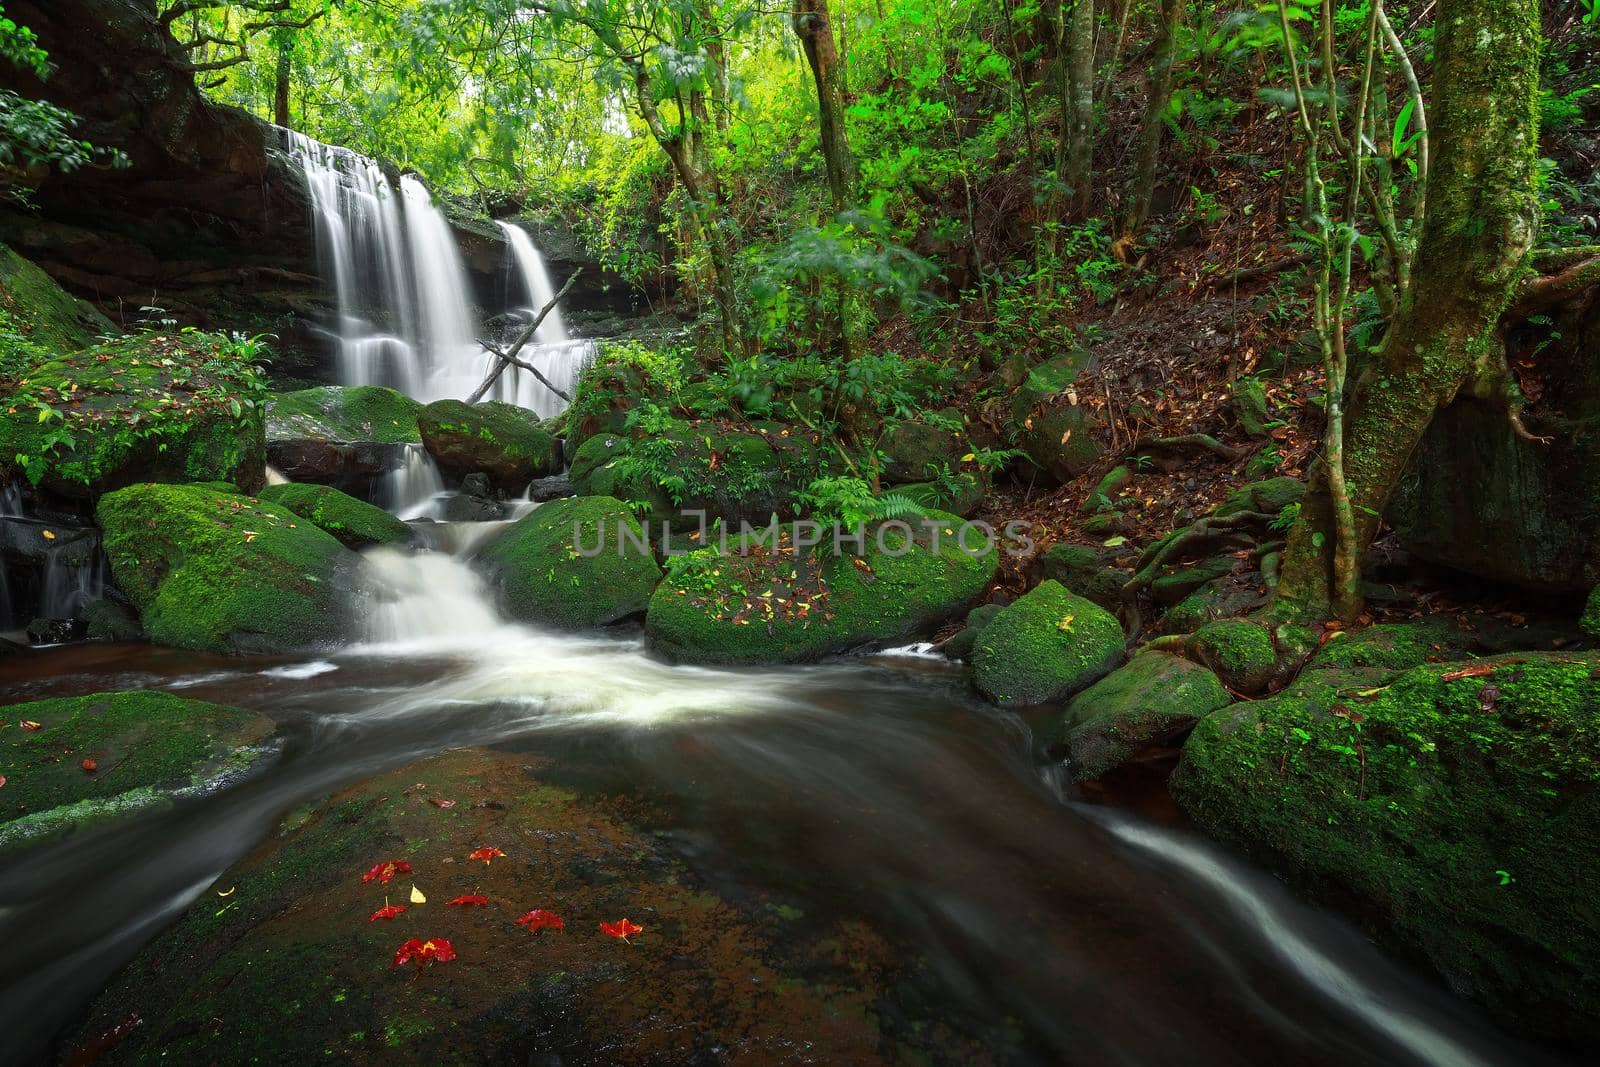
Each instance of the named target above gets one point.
<point>871,788</point>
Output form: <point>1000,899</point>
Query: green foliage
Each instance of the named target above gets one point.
<point>850,501</point>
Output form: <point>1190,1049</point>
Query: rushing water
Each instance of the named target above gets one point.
<point>869,788</point>
<point>405,314</point>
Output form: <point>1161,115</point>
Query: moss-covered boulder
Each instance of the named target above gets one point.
<point>288,969</point>
<point>682,469</point>
<point>1048,422</point>
<point>1090,571</point>
<point>1454,810</point>
<point>577,562</point>
<point>1242,654</point>
<point>225,573</point>
<point>917,450</point>
<point>960,644</point>
<point>1269,497</point>
<point>776,602</point>
<point>961,495</point>
<point>150,407</point>
<point>93,757</point>
<point>1589,621</point>
<point>344,413</point>
<point>355,523</point>
<point>1154,699</point>
<point>1046,646</point>
<point>1220,598</point>
<point>503,441</point>
<point>38,318</point>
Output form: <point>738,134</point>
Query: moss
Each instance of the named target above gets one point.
<point>1242,653</point>
<point>355,523</point>
<point>573,563</point>
<point>1086,570</point>
<point>1155,699</point>
<point>1589,621</point>
<point>960,645</point>
<point>1217,599</point>
<point>777,604</point>
<point>151,407</point>
<point>1046,646</point>
<point>963,498</point>
<point>223,573</point>
<point>503,441</point>
<point>1268,497</point>
<point>39,316</point>
<point>140,741</point>
<point>108,620</point>
<point>345,413</point>
<point>1393,645</point>
<point>1457,811</point>
<point>1181,580</point>
<point>1048,424</point>
<point>915,450</point>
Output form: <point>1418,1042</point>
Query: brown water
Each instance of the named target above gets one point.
<point>1047,929</point>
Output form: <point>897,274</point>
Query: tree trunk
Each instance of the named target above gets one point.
<point>1482,219</point>
<point>1142,190</point>
<point>1075,150</point>
<point>812,26</point>
<point>280,92</point>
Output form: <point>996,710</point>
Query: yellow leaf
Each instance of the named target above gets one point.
<point>1066,437</point>
<point>227,892</point>
<point>416,895</point>
<point>1065,625</point>
<point>969,457</point>
<point>250,535</point>
<point>47,535</point>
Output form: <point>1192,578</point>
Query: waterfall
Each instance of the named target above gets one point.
<point>558,357</point>
<point>409,490</point>
<point>404,312</point>
<point>427,597</point>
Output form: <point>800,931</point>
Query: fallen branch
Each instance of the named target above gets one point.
<point>509,358</point>
<point>1246,274</point>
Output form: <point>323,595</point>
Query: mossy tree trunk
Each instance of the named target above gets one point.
<point>1075,84</point>
<point>1141,191</point>
<point>1481,222</point>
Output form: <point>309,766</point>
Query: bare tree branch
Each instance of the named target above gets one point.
<point>509,358</point>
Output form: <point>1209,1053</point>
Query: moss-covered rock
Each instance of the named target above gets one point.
<point>505,442</point>
<point>108,620</point>
<point>684,468</point>
<point>1250,406</point>
<point>139,744</point>
<point>960,644</point>
<point>224,573</point>
<point>355,523</point>
<point>961,495</point>
<point>1221,598</point>
<point>1087,570</point>
<point>151,407</point>
<point>1050,425</point>
<point>1455,810</point>
<point>917,450</point>
<point>1176,582</point>
<point>1268,497</point>
<point>779,603</point>
<point>1154,699</point>
<point>1046,646</point>
<point>38,318</point>
<point>344,413</point>
<point>576,562</point>
<point>1241,653</point>
<point>289,969</point>
<point>1589,621</point>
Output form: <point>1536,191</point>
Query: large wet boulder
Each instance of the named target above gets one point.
<point>158,407</point>
<point>507,443</point>
<point>1046,646</point>
<point>1154,699</point>
<point>1453,809</point>
<point>1241,652</point>
<point>292,967</point>
<point>1090,571</point>
<point>918,450</point>
<point>348,437</point>
<point>778,602</point>
<point>355,523</point>
<point>91,758</point>
<point>683,469</point>
<point>41,318</point>
<point>572,563</point>
<point>1049,423</point>
<point>224,573</point>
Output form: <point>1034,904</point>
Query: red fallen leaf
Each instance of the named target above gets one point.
<point>384,872</point>
<point>29,724</point>
<point>473,899</point>
<point>486,854</point>
<point>89,766</point>
<point>2,781</point>
<point>538,919</point>
<point>422,953</point>
<point>622,929</point>
<point>441,802</point>
<point>388,911</point>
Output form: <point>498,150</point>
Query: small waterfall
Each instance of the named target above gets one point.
<point>404,312</point>
<point>71,582</point>
<point>558,357</point>
<point>410,490</point>
<point>428,597</point>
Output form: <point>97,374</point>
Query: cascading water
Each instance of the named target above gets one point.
<point>404,314</point>
<point>411,489</point>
